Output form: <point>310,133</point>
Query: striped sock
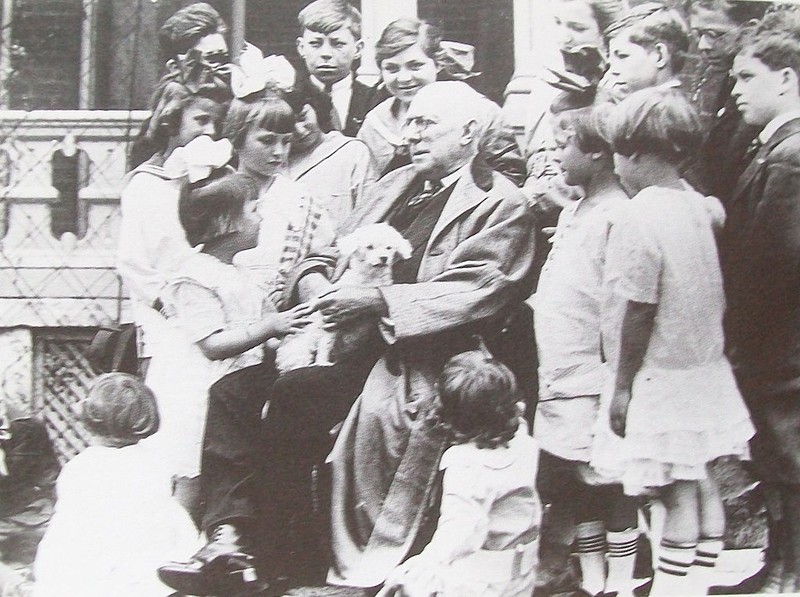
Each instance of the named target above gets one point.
<point>705,559</point>
<point>672,569</point>
<point>591,538</point>
<point>621,559</point>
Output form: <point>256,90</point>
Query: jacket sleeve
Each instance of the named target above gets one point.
<point>480,275</point>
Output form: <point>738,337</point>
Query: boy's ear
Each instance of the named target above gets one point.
<point>300,47</point>
<point>596,155</point>
<point>662,53</point>
<point>359,48</point>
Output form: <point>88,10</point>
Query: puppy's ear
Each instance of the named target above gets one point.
<point>404,248</point>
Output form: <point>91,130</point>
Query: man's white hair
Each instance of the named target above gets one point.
<point>460,101</point>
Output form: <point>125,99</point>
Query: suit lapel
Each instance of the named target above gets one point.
<point>379,199</point>
<point>759,160</point>
<point>465,196</point>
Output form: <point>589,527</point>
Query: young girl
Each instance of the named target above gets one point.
<point>115,520</point>
<point>486,541</point>
<point>571,370</point>
<point>672,400</point>
<point>229,317</point>
<point>293,222</point>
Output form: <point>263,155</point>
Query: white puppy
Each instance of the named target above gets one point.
<point>370,252</point>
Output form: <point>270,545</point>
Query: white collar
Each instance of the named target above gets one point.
<point>776,123</point>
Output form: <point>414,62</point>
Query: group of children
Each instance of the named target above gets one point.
<point>645,376</point>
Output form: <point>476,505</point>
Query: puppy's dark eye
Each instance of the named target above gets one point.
<point>370,247</point>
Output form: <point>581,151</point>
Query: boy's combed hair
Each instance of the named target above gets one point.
<point>187,26</point>
<point>478,396</point>
<point>326,16</point>
<point>269,112</point>
<point>213,209</point>
<point>589,127</point>
<point>120,408</point>
<point>656,120</point>
<point>401,34</point>
<point>776,43</point>
<point>654,23</point>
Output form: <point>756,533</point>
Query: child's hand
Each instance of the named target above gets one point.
<point>293,320</point>
<point>618,412</point>
<point>416,577</point>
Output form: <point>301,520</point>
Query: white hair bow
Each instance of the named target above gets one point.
<point>256,73</point>
<point>198,158</point>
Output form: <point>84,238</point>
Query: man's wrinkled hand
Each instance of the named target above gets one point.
<point>348,303</point>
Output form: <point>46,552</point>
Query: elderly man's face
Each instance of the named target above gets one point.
<point>437,136</point>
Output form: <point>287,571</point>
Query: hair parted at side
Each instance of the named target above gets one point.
<point>654,23</point>
<point>187,26</point>
<point>401,34</point>
<point>212,210</point>
<point>478,396</point>
<point>588,126</point>
<point>776,41</point>
<point>120,408</point>
<point>269,111</point>
<point>326,16</point>
<point>656,120</point>
<point>738,11</point>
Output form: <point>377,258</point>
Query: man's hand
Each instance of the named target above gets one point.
<point>618,412</point>
<point>342,305</point>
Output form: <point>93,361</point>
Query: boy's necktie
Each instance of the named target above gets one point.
<point>336,121</point>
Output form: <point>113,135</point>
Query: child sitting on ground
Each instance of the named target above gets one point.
<point>115,519</point>
<point>486,541</point>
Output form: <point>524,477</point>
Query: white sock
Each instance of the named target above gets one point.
<point>672,569</point>
<point>621,560</point>
<point>705,560</point>
<point>591,538</point>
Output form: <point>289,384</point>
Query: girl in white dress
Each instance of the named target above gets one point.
<point>486,541</point>
<point>115,521</point>
<point>672,401</point>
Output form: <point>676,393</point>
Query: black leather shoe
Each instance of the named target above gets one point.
<point>221,567</point>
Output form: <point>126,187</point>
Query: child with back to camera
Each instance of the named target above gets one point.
<point>672,401</point>
<point>115,519</point>
<point>486,541</point>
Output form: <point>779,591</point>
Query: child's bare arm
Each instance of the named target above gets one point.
<point>231,342</point>
<point>637,327</point>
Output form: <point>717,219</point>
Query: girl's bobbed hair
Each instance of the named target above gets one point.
<point>478,400</point>
<point>589,127</point>
<point>121,409</point>
<point>401,34</point>
<point>656,120</point>
<point>268,111</point>
<point>214,209</point>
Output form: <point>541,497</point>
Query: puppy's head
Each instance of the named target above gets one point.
<point>376,246</point>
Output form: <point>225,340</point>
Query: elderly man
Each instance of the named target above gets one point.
<point>473,238</point>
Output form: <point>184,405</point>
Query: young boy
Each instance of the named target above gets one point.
<point>330,44</point>
<point>647,47</point>
<point>571,370</point>
<point>760,253</point>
